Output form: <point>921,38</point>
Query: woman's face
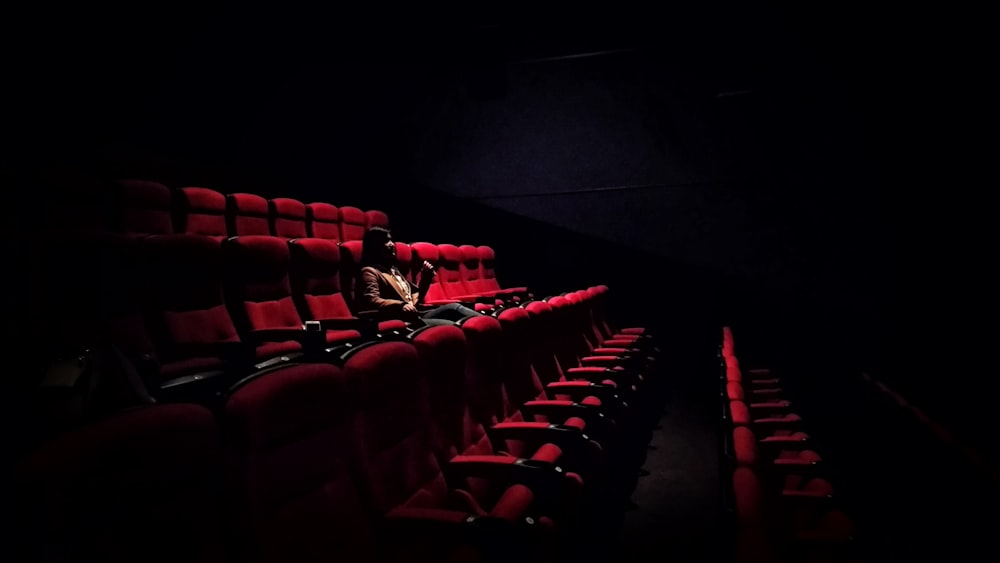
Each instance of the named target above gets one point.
<point>390,247</point>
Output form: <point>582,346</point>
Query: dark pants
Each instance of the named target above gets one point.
<point>447,314</point>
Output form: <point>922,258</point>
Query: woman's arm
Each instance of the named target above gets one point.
<point>371,296</point>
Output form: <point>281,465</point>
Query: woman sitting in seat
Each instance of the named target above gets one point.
<point>383,288</point>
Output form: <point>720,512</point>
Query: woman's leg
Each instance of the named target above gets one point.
<point>450,312</point>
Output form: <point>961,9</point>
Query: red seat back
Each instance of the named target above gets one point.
<point>288,218</point>
<point>316,279</point>
<point>247,214</point>
<point>353,223</point>
<point>145,208</point>
<point>110,490</point>
<point>201,211</point>
<point>323,221</point>
<point>376,218</point>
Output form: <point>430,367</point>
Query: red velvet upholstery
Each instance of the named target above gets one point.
<point>426,251</point>
<point>485,369</point>
<point>521,384</point>
<point>404,261</point>
<point>442,354</point>
<point>288,218</point>
<point>487,269</point>
<point>323,220</point>
<point>109,490</point>
<point>449,278</point>
<point>471,271</point>
<point>353,223</point>
<point>247,214</point>
<point>294,448</point>
<point>455,428</point>
<point>399,459</point>
<point>188,316</point>
<point>397,437</point>
<point>376,218</point>
<point>316,279</point>
<point>350,266</point>
<point>201,211</point>
<point>145,208</point>
<point>259,292</point>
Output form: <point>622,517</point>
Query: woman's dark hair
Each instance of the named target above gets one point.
<point>373,247</point>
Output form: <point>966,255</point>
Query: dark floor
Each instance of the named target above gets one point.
<point>676,507</point>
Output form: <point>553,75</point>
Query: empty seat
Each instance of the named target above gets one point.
<point>425,251</point>
<point>350,259</point>
<point>323,220</point>
<point>457,433</point>
<point>784,529</point>
<point>194,336</point>
<point>471,273</point>
<point>353,223</point>
<point>316,287</point>
<point>288,218</point>
<point>145,208</point>
<point>404,261</point>
<point>449,277</point>
<point>109,491</point>
<point>404,476</point>
<point>376,218</point>
<point>247,214</point>
<point>201,211</point>
<point>525,428</point>
<point>259,296</point>
<point>293,443</point>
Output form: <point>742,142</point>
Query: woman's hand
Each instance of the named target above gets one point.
<point>408,308</point>
<point>426,267</point>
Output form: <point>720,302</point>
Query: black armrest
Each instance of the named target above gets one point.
<point>581,389</point>
<point>345,323</point>
<point>535,474</point>
<point>560,411</point>
<point>573,441</point>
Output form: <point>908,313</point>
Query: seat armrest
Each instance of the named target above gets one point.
<point>535,474</point>
<point>607,393</point>
<point>345,323</point>
<point>559,411</point>
<point>596,373</point>
<point>573,441</point>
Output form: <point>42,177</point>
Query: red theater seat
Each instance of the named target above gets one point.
<point>110,490</point>
<point>145,208</point>
<point>376,218</point>
<point>353,223</point>
<point>201,211</point>
<point>247,214</point>
<point>323,221</point>
<point>293,446</point>
<point>259,296</point>
<point>288,218</point>
<point>403,474</point>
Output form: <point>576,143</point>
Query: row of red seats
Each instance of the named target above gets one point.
<point>141,207</point>
<point>191,308</point>
<point>473,442</point>
<point>784,510</point>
